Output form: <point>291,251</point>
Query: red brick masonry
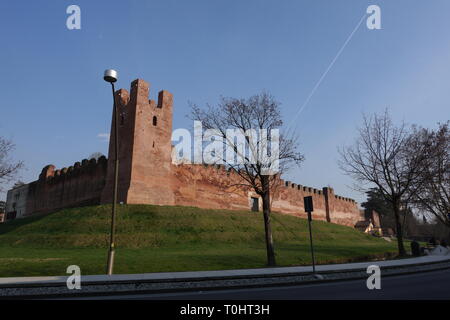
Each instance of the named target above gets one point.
<point>148,176</point>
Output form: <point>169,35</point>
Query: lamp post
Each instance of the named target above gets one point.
<point>110,76</point>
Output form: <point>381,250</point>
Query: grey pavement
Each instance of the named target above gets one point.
<point>433,285</point>
<point>160,276</point>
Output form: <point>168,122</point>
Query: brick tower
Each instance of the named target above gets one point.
<point>145,130</point>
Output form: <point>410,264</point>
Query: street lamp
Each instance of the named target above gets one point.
<point>110,76</point>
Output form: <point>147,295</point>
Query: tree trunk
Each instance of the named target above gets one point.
<point>267,225</point>
<point>398,227</point>
<point>405,228</point>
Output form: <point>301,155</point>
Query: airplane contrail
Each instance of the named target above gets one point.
<point>326,71</point>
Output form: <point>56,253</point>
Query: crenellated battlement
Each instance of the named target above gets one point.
<point>140,94</point>
<point>291,186</point>
<point>311,190</point>
<point>76,185</point>
<point>50,173</point>
<point>287,196</point>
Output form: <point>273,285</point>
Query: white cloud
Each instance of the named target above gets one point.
<point>103,136</point>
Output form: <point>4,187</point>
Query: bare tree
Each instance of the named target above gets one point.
<point>251,160</point>
<point>391,159</point>
<point>433,195</point>
<point>8,168</point>
<point>19,183</point>
<point>96,155</point>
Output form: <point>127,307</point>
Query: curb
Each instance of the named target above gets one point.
<point>147,286</point>
<point>62,282</point>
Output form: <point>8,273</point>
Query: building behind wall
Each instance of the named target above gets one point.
<point>2,211</point>
<point>147,174</point>
<point>16,202</point>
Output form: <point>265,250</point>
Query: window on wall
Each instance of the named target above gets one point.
<point>255,204</point>
<point>155,121</point>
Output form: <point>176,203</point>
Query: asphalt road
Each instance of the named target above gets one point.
<point>427,285</point>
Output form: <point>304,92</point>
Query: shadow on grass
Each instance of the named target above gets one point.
<point>334,254</point>
<point>12,225</point>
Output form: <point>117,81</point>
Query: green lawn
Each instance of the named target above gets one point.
<point>165,238</point>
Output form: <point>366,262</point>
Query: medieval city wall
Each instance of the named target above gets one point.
<point>215,187</point>
<point>203,186</point>
<point>148,176</point>
<point>288,198</point>
<point>77,185</point>
<point>209,186</point>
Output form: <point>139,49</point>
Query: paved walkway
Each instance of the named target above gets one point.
<point>226,273</point>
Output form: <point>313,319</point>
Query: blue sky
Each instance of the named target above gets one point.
<point>54,103</point>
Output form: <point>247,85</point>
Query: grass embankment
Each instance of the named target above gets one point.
<point>163,238</point>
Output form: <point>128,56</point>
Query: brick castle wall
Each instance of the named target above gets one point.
<point>215,187</point>
<point>148,176</point>
<point>77,185</point>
